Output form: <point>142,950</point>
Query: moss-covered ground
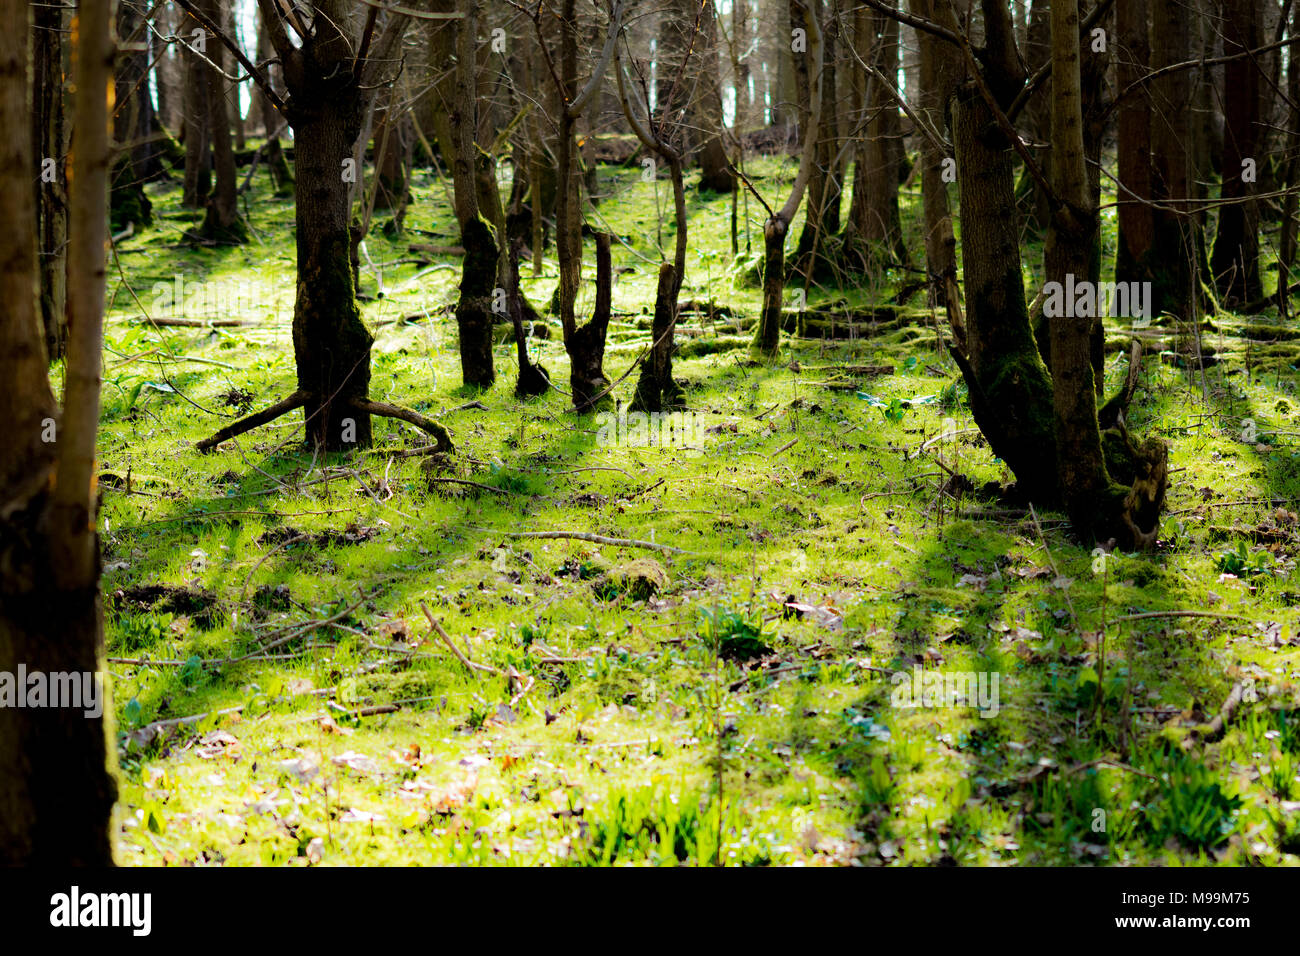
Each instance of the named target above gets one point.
<point>737,701</point>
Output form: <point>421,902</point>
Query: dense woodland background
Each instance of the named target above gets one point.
<point>336,333</point>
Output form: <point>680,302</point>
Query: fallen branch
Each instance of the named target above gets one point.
<point>451,645</point>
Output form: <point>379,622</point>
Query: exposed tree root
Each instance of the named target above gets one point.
<point>296,400</point>
<point>301,398</point>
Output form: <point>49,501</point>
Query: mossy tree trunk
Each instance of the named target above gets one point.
<point>57,786</point>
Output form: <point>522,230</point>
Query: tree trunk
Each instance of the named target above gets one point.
<point>331,344</point>
<point>133,126</point>
<point>198,163</point>
<point>50,141</point>
<point>822,213</point>
<point>1235,261</point>
<point>222,222</point>
<point>1133,156</point>
<point>715,169</point>
<point>1089,497</point>
<point>879,221</point>
<point>479,268</point>
<point>940,69</point>
<point>56,786</point>
<point>1171,136</point>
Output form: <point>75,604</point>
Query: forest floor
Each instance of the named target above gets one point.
<point>738,699</point>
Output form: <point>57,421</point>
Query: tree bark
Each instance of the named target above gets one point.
<point>222,222</point>
<point>56,784</point>
<point>50,140</point>
<point>1235,260</point>
<point>198,161</point>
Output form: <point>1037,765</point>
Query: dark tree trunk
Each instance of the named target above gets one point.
<point>331,344</point>
<point>880,225</point>
<point>133,126</point>
<point>1133,156</point>
<point>822,213</point>
<point>222,222</point>
<point>1235,261</point>
<point>198,163</point>
<point>1176,232</point>
<point>56,784</point>
<point>586,347</point>
<point>940,70</point>
<point>50,142</point>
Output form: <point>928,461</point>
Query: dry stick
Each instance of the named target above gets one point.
<point>297,633</point>
<point>475,484</point>
<point>595,538</point>
<point>451,645</point>
<point>1055,573</point>
<point>1151,614</point>
<point>1214,728</point>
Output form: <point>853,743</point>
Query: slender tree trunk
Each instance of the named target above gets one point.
<point>1235,261</point>
<point>1081,469</point>
<point>715,169</point>
<point>222,222</point>
<point>198,163</point>
<point>1171,137</point>
<point>50,140</point>
<point>479,268</point>
<point>56,785</point>
<point>1133,155</point>
<point>132,126</point>
<point>940,70</point>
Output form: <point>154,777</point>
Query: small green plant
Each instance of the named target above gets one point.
<point>1245,563</point>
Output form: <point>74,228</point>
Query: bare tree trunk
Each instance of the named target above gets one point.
<point>222,222</point>
<point>1171,136</point>
<point>1091,500</point>
<point>1235,261</point>
<point>767,334</point>
<point>50,139</point>
<point>56,785</point>
<point>198,162</point>
<point>940,70</point>
<point>479,268</point>
<point>1133,155</point>
<point>132,127</point>
<point>715,169</point>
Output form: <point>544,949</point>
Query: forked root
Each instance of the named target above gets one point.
<point>300,398</point>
